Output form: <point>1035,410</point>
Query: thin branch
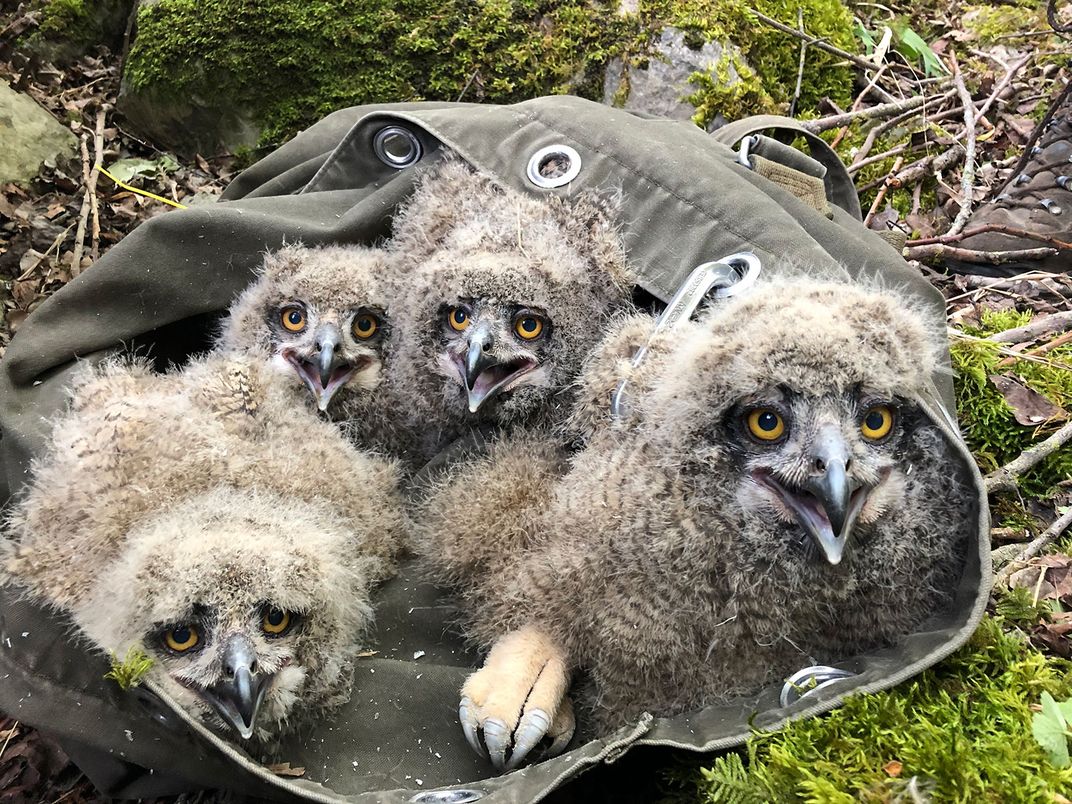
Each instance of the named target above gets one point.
<point>870,113</point>
<point>800,67</point>
<point>967,176</point>
<point>1004,479</point>
<point>83,214</point>
<point>98,158</point>
<point>1059,526</point>
<point>1005,81</point>
<point>992,227</point>
<point>1037,328</point>
<point>881,195</point>
<point>942,251</point>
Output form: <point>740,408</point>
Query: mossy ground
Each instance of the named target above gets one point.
<point>291,63</point>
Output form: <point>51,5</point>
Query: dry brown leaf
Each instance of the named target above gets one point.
<point>284,769</point>
<point>893,768</point>
<point>1028,407</point>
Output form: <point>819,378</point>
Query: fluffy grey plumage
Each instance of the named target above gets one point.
<point>696,550</point>
<point>204,518</point>
<point>321,316</point>
<point>507,294</point>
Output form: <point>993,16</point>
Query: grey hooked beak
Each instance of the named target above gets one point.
<point>238,696</point>
<point>327,341</point>
<point>485,375</point>
<point>839,503</point>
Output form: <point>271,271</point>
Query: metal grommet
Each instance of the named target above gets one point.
<point>462,796</point>
<point>397,147</point>
<point>553,166</point>
<point>809,681</point>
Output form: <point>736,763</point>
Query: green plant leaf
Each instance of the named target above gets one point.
<point>911,44</point>
<point>863,35</point>
<point>1049,728</point>
<point>127,169</point>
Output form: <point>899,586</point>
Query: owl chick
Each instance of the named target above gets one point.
<point>203,519</point>
<point>774,496</point>
<point>321,316</point>
<point>508,293</point>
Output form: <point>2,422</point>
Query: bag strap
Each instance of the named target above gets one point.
<point>823,162</point>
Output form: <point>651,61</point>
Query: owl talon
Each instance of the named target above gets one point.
<point>497,738</point>
<point>470,725</point>
<point>532,728</point>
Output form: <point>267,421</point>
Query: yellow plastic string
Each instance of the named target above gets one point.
<point>136,191</point>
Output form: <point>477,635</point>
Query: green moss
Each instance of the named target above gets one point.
<point>960,732</point>
<point>990,22</point>
<point>69,28</point>
<point>992,433</point>
<point>289,63</point>
<point>131,670</point>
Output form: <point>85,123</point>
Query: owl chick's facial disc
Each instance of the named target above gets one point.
<point>320,314</point>
<point>492,347</point>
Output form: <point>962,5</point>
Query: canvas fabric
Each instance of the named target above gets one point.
<point>686,200</point>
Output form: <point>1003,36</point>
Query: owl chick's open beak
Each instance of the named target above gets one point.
<point>323,369</point>
<point>485,374</point>
<point>238,695</point>
<point>827,504</point>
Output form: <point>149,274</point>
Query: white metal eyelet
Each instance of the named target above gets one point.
<point>809,681</point>
<point>553,166</point>
<point>397,147</point>
<point>461,796</point>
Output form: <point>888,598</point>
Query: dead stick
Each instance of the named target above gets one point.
<point>1059,526</point>
<point>929,164</point>
<point>10,734</point>
<point>941,250</point>
<point>1004,479</point>
<point>1035,329</point>
<point>992,227</point>
<point>967,176</point>
<point>1009,73</point>
<point>1038,351</point>
<point>856,104</point>
<point>83,215</point>
<point>800,66</point>
<point>98,157</point>
<point>818,42</point>
<point>900,149</point>
<point>871,112</point>
<point>881,196</point>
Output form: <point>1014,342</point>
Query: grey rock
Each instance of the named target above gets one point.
<point>30,137</point>
<point>662,86</point>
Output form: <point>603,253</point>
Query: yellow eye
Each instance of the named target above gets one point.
<point>181,638</point>
<point>365,326</point>
<point>275,621</point>
<point>877,422</point>
<point>458,318</point>
<point>765,424</point>
<point>293,319</point>
<point>528,326</point>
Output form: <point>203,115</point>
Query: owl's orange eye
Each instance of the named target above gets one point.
<point>293,319</point>
<point>458,318</point>
<point>877,422</point>
<point>365,326</point>
<point>765,424</point>
<point>528,326</point>
<point>181,638</point>
<point>275,622</point>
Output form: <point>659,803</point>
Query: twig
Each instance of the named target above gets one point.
<point>819,43</point>
<point>1038,351</point>
<point>1004,479</point>
<point>1005,350</point>
<point>871,112</point>
<point>83,215</point>
<point>91,191</point>
<point>1009,73</point>
<point>468,84</point>
<point>1035,547</point>
<point>992,227</point>
<point>1035,329</point>
<point>857,103</point>
<point>967,176</point>
<point>941,250</point>
<point>922,167</point>
<point>900,149</point>
<point>800,67</point>
<point>10,734</point>
<point>881,195</point>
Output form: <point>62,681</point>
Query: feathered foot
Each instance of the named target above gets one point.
<point>517,699</point>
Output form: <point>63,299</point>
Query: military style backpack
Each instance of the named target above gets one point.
<point>689,198</point>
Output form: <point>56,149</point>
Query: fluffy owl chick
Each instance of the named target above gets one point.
<point>204,519</point>
<point>775,497</point>
<point>321,316</point>
<point>508,293</point>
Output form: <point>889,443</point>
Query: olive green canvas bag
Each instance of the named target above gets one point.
<point>688,198</point>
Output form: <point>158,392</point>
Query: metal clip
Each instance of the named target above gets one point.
<point>747,144</point>
<point>727,277</point>
<point>809,681</point>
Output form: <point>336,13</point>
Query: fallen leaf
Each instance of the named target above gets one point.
<point>284,769</point>
<point>1028,407</point>
<point>893,768</point>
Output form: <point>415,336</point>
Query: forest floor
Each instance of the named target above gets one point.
<point>985,90</point>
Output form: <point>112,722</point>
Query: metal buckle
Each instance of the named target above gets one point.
<point>727,277</point>
<point>746,145</point>
<point>809,681</point>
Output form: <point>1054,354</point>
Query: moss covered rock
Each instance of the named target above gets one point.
<point>70,28</point>
<point>204,74</point>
